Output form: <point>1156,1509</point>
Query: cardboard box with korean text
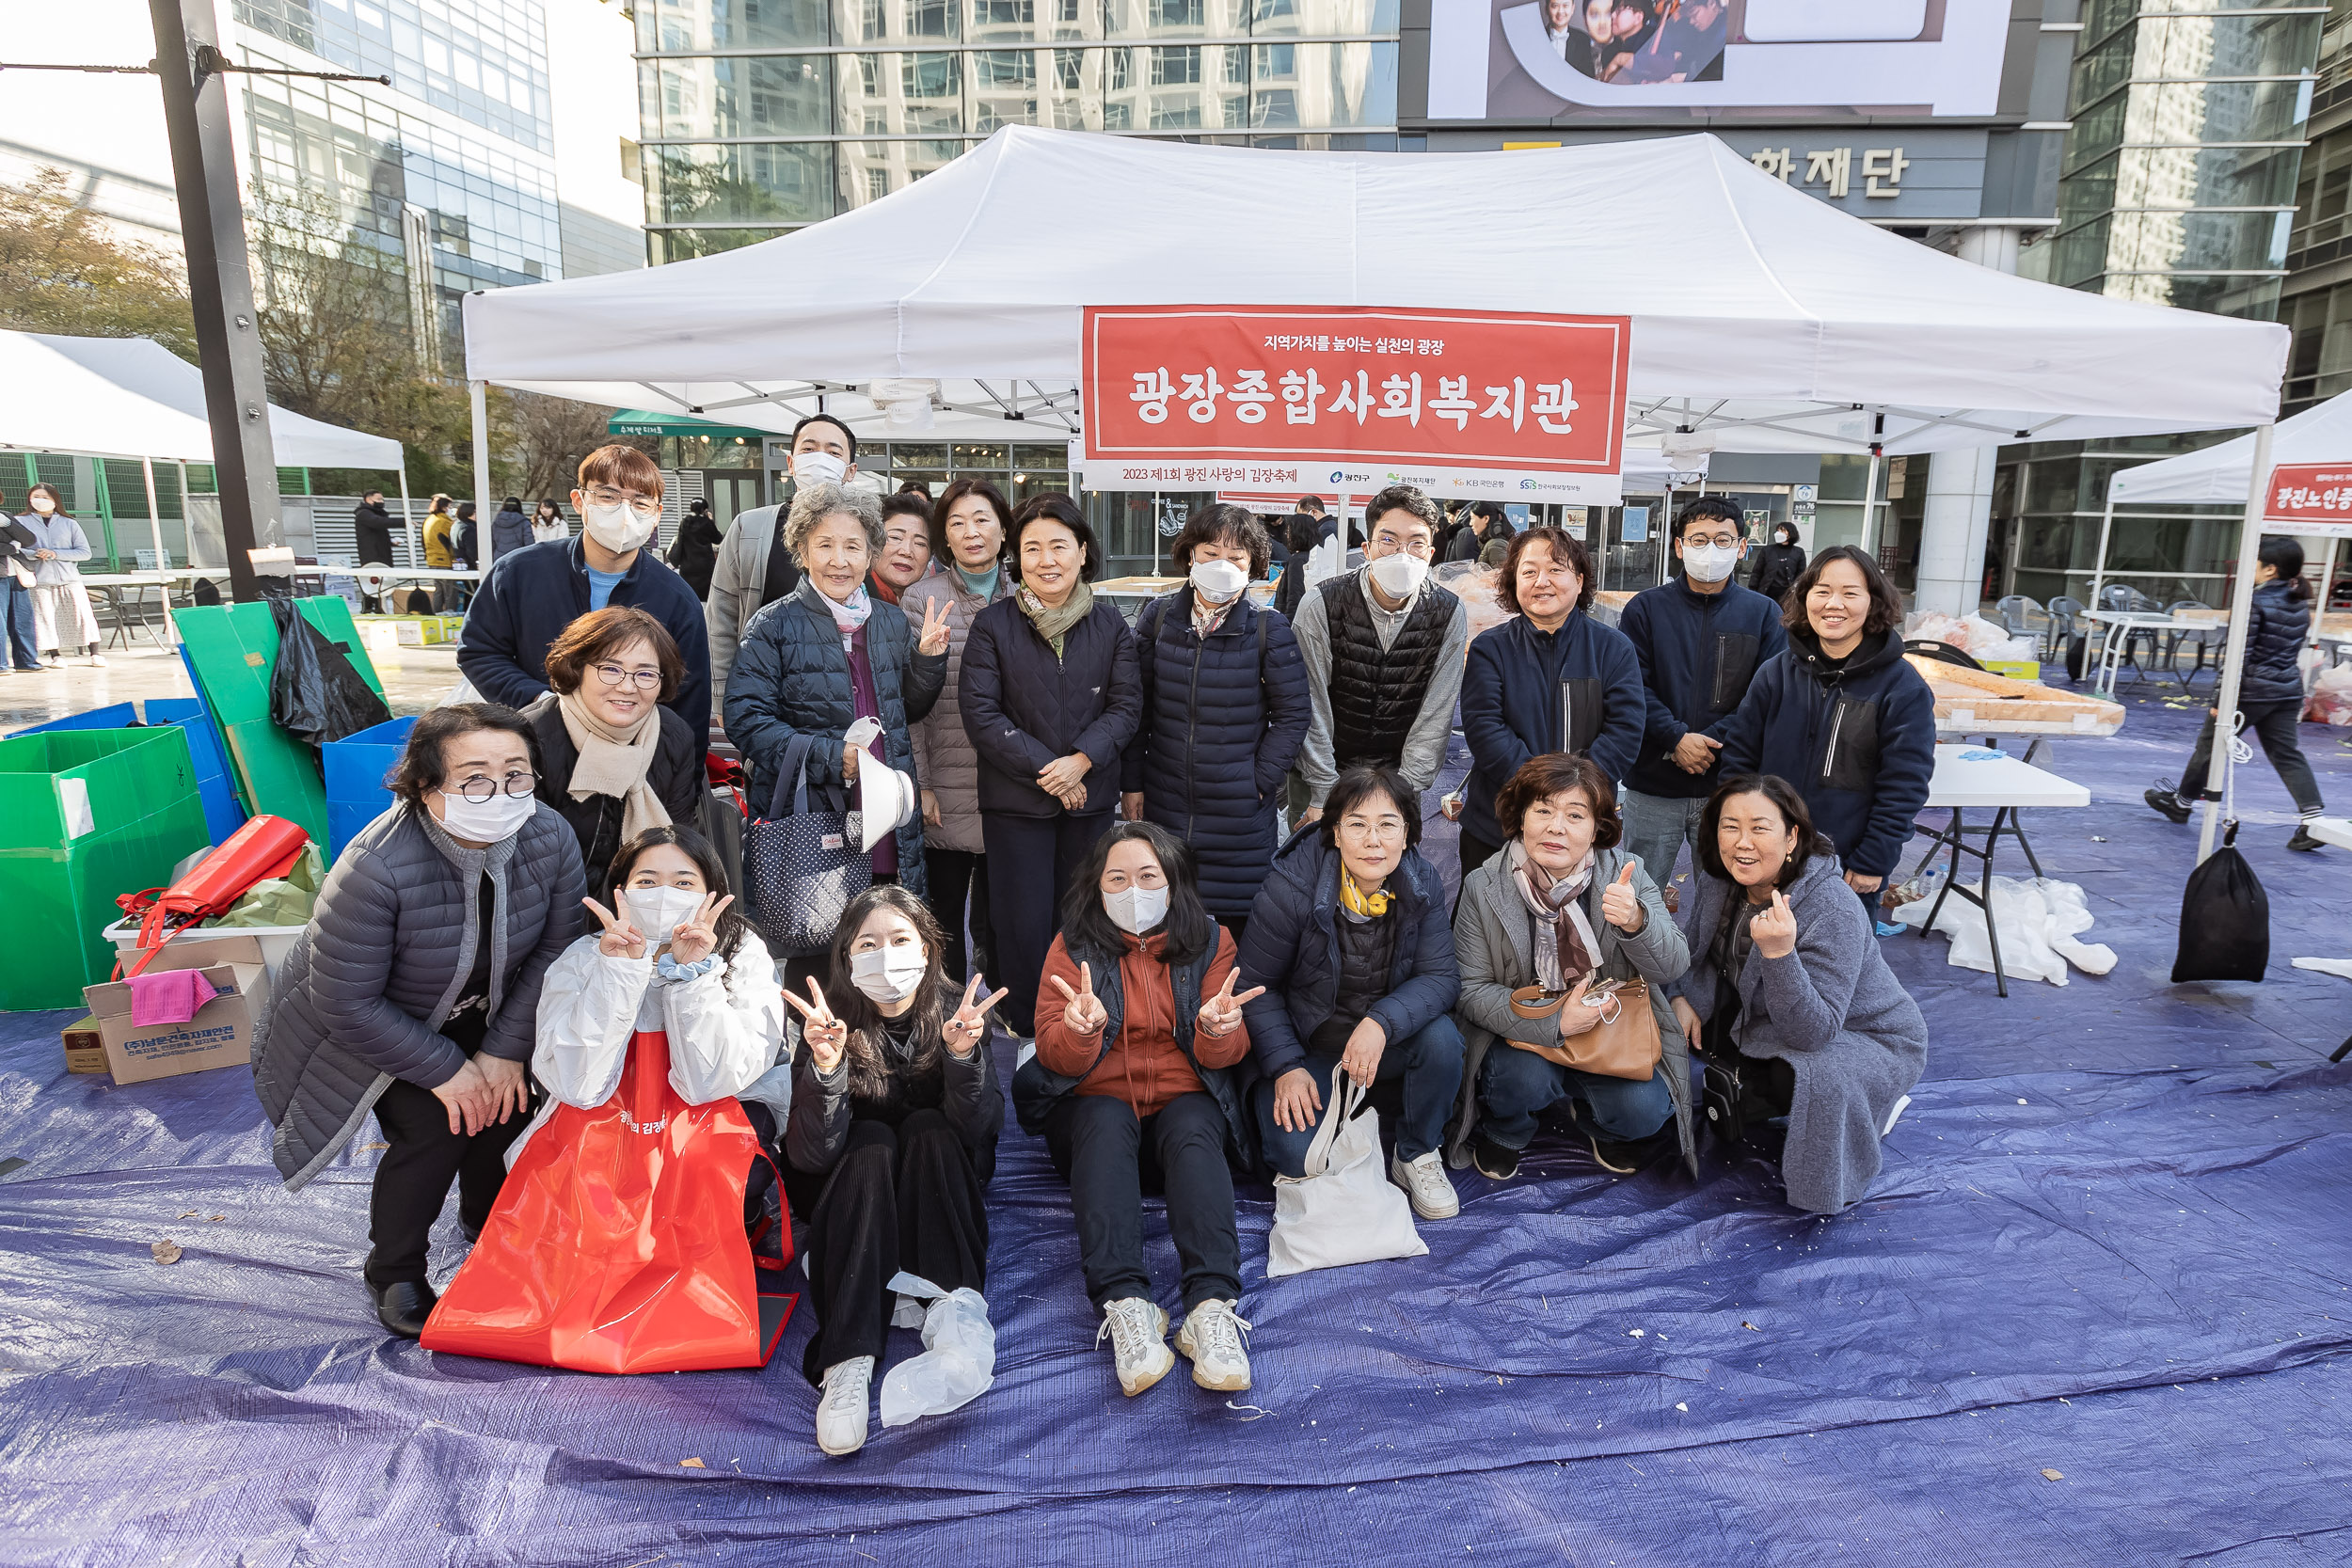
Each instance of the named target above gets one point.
<point>220,1034</point>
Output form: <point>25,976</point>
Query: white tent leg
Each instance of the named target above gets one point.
<point>407,517</point>
<point>482,512</point>
<point>2327,585</point>
<point>1871,501</point>
<point>2233,657</point>
<point>2099,563</point>
<point>1666,552</point>
<point>155,517</point>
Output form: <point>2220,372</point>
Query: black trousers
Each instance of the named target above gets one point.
<point>1029,862</point>
<point>1475,852</point>
<point>2274,726</point>
<point>904,1197</point>
<point>956,877</point>
<point>1110,1159</point>
<point>413,1180</point>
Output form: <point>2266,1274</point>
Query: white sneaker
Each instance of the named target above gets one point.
<point>841,1413</point>
<point>1426,1183</point>
<point>1138,1331</point>
<point>97,661</point>
<point>1212,1335</point>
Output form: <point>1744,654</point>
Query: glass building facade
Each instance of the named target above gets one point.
<point>761,116</point>
<point>2318,302</point>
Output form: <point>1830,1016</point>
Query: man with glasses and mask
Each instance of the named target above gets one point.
<point>532,593</point>
<point>753,570</point>
<point>1383,647</point>
<point>1700,638</point>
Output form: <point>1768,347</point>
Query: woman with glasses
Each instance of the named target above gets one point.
<point>612,761</point>
<point>414,991</point>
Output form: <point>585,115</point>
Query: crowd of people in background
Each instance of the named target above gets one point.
<point>1179,865</point>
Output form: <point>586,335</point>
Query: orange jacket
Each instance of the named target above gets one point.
<point>1144,1066</point>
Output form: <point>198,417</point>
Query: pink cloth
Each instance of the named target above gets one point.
<point>173,996</point>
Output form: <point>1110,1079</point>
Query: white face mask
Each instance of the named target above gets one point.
<point>656,911</point>
<point>1136,910</point>
<point>818,467</point>
<point>486,821</point>
<point>888,974</point>
<point>1709,562</point>
<point>618,528</point>
<point>43,505</point>
<point>1400,576</point>
<point>1219,581</point>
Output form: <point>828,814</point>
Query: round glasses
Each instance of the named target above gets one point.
<point>604,495</point>
<point>480,790</point>
<point>644,680</point>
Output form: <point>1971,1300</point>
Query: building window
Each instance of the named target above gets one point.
<point>1176,64</point>
<point>1176,13</point>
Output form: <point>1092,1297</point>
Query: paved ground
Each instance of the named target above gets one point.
<point>414,681</point>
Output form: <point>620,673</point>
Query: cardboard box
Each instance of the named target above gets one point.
<point>85,1049</point>
<point>220,1034</point>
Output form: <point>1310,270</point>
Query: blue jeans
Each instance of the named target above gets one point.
<point>1430,1062</point>
<point>19,613</point>
<point>1656,828</point>
<point>1514,1086</point>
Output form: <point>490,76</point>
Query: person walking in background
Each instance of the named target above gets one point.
<point>695,549</point>
<point>905,556</point>
<point>2269,694</point>
<point>510,530</point>
<point>1302,534</point>
<point>1774,569</point>
<point>440,551</point>
<point>1484,524</point>
<point>62,618</point>
<point>16,584</point>
<point>371,541</point>
<point>548,523</point>
<point>466,547</point>
<point>1383,647</point>
<point>753,570</point>
<point>1700,638</point>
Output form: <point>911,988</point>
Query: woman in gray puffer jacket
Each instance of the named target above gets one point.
<point>415,990</point>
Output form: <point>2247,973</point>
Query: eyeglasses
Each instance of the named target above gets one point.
<point>644,680</point>
<point>605,495</point>
<point>480,790</point>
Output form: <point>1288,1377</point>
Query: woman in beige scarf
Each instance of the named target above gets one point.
<point>613,759</point>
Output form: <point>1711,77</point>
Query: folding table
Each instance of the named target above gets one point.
<point>1966,777</point>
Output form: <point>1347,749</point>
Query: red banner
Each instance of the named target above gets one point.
<point>1400,395</point>
<point>2318,494</point>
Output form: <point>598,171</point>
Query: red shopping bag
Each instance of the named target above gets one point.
<point>617,1244</point>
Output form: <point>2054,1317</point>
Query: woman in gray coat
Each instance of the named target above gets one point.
<point>415,990</point>
<point>1801,1024</point>
<point>1562,907</point>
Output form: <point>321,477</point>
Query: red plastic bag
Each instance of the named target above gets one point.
<point>265,847</point>
<point>617,1244</point>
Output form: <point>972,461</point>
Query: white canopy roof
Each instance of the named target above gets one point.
<point>2223,474</point>
<point>132,397</point>
<point>1760,314</point>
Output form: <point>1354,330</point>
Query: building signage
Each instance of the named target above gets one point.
<point>2315,498</point>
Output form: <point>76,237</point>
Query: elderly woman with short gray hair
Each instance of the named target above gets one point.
<point>819,659</point>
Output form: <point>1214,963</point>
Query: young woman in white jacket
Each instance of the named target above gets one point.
<point>648,1171</point>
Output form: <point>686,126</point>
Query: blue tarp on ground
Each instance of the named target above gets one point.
<point>2108,1243</point>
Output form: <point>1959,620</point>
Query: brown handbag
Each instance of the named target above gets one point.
<point>1624,1044</point>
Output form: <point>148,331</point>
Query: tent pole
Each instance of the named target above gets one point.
<point>482,513</point>
<point>2234,656</point>
<point>2099,564</point>
<point>408,514</point>
<point>155,520</point>
<point>1870,500</point>
<point>2327,585</point>
<point>1666,552</point>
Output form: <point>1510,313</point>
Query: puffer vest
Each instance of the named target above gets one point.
<point>1377,691</point>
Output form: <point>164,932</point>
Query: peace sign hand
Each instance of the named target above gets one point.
<point>934,635</point>
<point>826,1035</point>
<point>1620,905</point>
<point>1084,1014</point>
<point>1774,930</point>
<point>621,940</point>
<point>970,1023</point>
<point>697,935</point>
<point>1221,1014</point>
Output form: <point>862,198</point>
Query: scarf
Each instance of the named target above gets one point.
<point>848,614</point>
<point>1369,906</point>
<point>1053,625</point>
<point>983,586</point>
<point>1207,617</point>
<point>615,762</point>
<point>1560,906</point>
<point>883,590</point>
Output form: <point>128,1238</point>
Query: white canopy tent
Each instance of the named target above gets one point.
<point>132,398</point>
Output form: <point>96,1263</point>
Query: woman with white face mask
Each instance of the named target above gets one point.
<point>1139,1028</point>
<point>659,1037</point>
<point>1225,708</point>
<point>414,991</point>
<point>61,612</point>
<point>896,1112</point>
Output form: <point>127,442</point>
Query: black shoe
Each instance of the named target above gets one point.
<point>402,1306</point>
<point>1623,1159</point>
<point>2167,803</point>
<point>1491,1160</point>
<point>2303,839</point>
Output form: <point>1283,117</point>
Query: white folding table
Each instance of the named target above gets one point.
<point>1965,779</point>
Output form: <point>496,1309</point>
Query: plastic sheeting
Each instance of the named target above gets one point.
<point>2108,1243</point>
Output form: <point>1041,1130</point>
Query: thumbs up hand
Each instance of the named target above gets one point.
<point>1621,906</point>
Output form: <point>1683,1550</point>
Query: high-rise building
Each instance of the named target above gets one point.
<point>2317,301</point>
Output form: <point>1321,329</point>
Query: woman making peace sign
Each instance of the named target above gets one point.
<point>1137,1025</point>
<point>895,1106</point>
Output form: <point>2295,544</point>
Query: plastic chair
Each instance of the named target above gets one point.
<point>2016,613</point>
<point>2203,637</point>
<point>2065,621</point>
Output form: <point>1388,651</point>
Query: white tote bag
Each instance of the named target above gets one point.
<point>1345,1210</point>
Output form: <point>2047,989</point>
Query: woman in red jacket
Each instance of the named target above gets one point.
<point>1131,1083</point>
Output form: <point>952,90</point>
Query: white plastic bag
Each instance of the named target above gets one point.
<point>1345,1210</point>
<point>959,1360</point>
<point>2038,919</point>
<point>2331,697</point>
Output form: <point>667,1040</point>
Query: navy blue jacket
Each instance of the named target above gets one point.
<point>2274,645</point>
<point>1022,708</point>
<point>533,594</point>
<point>1859,744</point>
<point>1698,652</point>
<point>1513,693</point>
<point>1222,722</point>
<point>792,679</point>
<point>1291,947</point>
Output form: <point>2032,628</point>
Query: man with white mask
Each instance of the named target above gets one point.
<point>1700,638</point>
<point>752,572</point>
<point>1383,647</point>
<point>532,593</point>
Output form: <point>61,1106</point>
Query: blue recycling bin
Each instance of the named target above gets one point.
<point>355,767</point>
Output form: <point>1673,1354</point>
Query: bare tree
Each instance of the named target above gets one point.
<point>546,438</point>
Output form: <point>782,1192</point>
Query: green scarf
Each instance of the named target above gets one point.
<point>1053,625</point>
